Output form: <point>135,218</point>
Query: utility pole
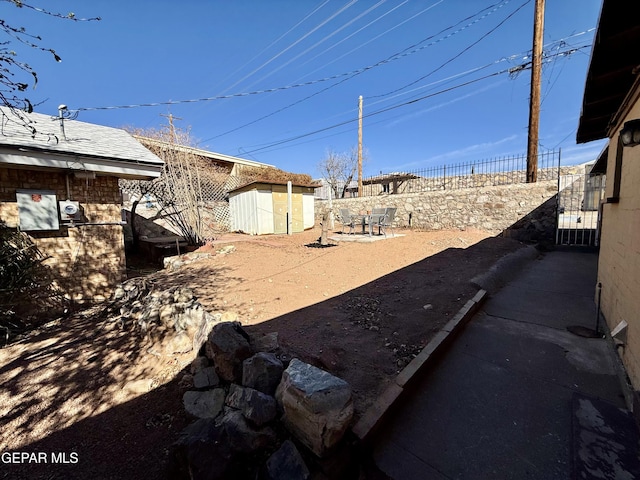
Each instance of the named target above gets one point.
<point>172,129</point>
<point>360,192</point>
<point>534,99</point>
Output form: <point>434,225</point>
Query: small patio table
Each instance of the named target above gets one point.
<point>369,219</point>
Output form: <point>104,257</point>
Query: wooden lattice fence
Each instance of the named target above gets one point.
<point>211,194</point>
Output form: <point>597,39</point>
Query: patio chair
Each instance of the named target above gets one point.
<point>376,217</point>
<point>347,220</point>
<point>387,221</point>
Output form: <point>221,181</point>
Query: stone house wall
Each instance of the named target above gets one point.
<point>522,211</point>
<point>87,261</point>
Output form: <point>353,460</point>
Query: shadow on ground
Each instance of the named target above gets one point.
<point>61,387</point>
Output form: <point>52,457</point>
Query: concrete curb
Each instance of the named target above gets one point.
<point>505,269</point>
<point>374,416</point>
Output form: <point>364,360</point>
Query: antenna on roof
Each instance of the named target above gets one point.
<point>61,110</point>
<point>65,114</point>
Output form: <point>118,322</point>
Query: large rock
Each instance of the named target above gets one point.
<point>287,463</point>
<point>228,346</point>
<point>217,449</point>
<point>200,452</point>
<point>182,320</point>
<point>204,404</point>
<point>266,342</point>
<point>262,372</point>
<point>243,437</point>
<point>317,406</point>
<point>206,378</point>
<point>198,364</point>
<point>255,406</point>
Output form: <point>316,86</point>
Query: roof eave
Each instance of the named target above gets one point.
<point>612,69</point>
<point>55,160</point>
<point>221,157</point>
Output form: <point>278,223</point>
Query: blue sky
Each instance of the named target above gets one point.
<point>433,75</point>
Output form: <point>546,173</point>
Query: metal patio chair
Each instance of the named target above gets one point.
<point>347,220</point>
<point>375,218</point>
<point>387,221</point>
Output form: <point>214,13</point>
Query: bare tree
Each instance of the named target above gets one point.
<point>16,76</point>
<point>338,170</point>
<point>179,190</point>
<point>193,190</point>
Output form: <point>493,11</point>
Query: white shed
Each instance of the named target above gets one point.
<point>260,208</point>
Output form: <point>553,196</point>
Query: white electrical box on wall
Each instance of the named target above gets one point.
<point>69,211</point>
<point>37,210</point>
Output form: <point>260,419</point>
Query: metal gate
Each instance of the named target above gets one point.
<point>578,212</point>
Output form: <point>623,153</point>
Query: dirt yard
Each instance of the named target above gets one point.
<point>359,310</point>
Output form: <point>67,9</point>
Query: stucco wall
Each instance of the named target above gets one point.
<point>527,210</point>
<point>619,262</point>
<point>87,261</point>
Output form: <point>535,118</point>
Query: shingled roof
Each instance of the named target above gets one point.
<point>94,147</point>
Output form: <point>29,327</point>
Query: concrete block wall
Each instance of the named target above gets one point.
<point>87,262</point>
<point>526,211</point>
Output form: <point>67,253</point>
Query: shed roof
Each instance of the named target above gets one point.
<point>613,68</point>
<point>111,147</point>
<point>272,182</point>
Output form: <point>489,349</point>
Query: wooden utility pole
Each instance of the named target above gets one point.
<point>172,129</point>
<point>534,99</point>
<point>360,192</point>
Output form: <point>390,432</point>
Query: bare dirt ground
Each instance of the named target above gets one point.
<point>358,310</point>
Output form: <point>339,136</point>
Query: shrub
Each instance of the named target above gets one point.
<point>27,290</point>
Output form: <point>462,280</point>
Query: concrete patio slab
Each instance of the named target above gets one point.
<point>363,238</point>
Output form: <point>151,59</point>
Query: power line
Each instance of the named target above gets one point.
<point>461,74</point>
<point>403,53</point>
<point>279,110</point>
<point>513,71</point>
<point>219,97</point>
<point>521,56</point>
<point>352,35</point>
<point>323,66</point>
<point>562,42</point>
<point>463,51</point>
<point>316,28</point>
<point>378,112</point>
<point>384,33</point>
<point>326,37</point>
<point>309,15</point>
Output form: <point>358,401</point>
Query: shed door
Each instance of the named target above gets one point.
<point>279,208</point>
<point>297,216</point>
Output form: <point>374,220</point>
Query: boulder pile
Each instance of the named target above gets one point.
<point>257,412</point>
<point>258,416</point>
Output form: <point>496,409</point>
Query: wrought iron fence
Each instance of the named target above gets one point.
<point>475,174</point>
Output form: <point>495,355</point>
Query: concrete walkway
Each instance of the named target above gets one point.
<point>517,395</point>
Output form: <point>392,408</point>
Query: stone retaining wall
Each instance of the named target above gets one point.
<point>522,211</point>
